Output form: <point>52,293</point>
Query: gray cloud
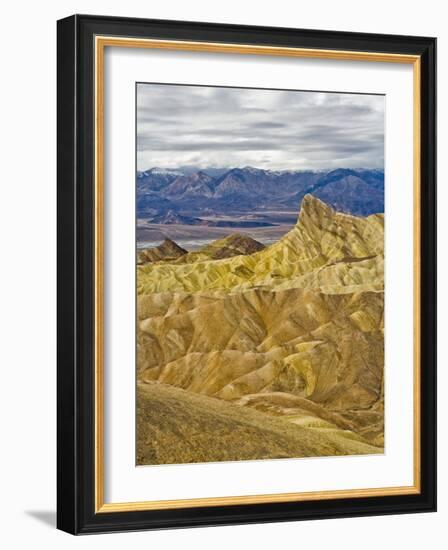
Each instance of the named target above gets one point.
<point>207,126</point>
<point>268,125</point>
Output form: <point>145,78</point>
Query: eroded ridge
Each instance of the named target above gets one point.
<point>288,337</point>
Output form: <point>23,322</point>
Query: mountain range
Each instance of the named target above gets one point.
<point>196,197</point>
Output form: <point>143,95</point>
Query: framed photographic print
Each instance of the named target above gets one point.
<point>246,274</point>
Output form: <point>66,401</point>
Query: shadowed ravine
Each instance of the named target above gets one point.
<point>250,352</point>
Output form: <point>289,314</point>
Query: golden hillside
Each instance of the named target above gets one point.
<point>177,427</point>
<point>325,249</point>
<point>292,332</point>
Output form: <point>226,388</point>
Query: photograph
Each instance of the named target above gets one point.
<point>260,219</point>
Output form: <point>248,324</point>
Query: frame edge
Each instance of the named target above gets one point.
<point>67,463</point>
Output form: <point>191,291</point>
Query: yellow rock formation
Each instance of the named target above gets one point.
<point>292,332</point>
<point>347,249</point>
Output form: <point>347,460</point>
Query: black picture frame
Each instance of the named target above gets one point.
<point>76,270</point>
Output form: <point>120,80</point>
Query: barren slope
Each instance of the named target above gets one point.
<point>175,426</point>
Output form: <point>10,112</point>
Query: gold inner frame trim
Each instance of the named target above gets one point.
<point>101,42</point>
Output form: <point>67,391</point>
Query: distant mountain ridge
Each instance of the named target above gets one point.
<point>242,190</point>
<point>235,244</point>
<point>167,251</point>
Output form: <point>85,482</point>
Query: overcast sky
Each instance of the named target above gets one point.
<point>279,130</point>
